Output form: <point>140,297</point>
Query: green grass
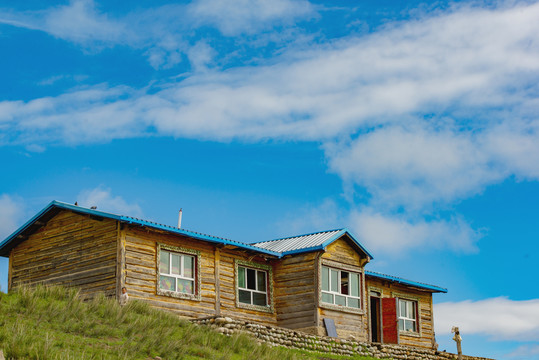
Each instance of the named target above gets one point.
<point>54,323</point>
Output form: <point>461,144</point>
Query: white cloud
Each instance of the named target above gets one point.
<point>248,16</point>
<point>104,200</point>
<point>499,318</point>
<point>525,352</point>
<point>394,235</point>
<point>11,213</point>
<point>421,112</point>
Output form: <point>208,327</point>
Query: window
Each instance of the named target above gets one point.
<point>176,272</point>
<point>341,288</point>
<point>252,286</point>
<point>407,314</point>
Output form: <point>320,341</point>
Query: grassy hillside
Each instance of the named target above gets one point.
<point>53,323</point>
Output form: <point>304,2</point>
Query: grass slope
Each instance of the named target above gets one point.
<point>53,323</point>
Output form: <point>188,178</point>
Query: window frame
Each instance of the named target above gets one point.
<point>419,305</point>
<point>405,318</point>
<point>347,268</point>
<point>196,272</point>
<point>267,269</point>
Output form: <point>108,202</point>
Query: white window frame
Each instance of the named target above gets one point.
<point>253,291</point>
<point>334,293</point>
<point>182,253</point>
<point>406,318</point>
<point>267,269</point>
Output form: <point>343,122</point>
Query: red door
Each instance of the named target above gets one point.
<point>390,328</point>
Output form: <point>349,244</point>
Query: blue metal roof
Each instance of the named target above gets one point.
<point>308,242</point>
<point>278,247</point>
<point>10,240</point>
<point>399,280</point>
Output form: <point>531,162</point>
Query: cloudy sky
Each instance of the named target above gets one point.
<point>414,124</point>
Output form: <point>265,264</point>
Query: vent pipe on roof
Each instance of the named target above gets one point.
<point>180,219</point>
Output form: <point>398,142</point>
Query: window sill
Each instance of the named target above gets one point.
<point>178,295</point>
<point>341,308</point>
<point>267,309</point>
<point>409,333</point>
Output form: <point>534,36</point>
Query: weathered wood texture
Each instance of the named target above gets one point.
<point>295,291</point>
<point>425,335</point>
<point>356,324</point>
<point>69,250</point>
<point>228,288</point>
<point>341,251</point>
<point>141,271</point>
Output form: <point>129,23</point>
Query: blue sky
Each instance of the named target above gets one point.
<point>414,124</point>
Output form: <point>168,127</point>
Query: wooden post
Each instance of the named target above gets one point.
<point>10,271</point>
<point>120,260</point>
<point>217,282</point>
<point>458,340</point>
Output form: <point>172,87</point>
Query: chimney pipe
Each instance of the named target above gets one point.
<point>180,219</point>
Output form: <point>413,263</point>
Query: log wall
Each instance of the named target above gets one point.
<point>341,255</point>
<point>69,250</point>
<point>295,292</point>
<point>216,297</point>
<point>425,337</point>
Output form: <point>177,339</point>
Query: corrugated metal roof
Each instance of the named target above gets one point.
<point>14,238</point>
<point>308,242</point>
<point>399,280</point>
<point>298,242</point>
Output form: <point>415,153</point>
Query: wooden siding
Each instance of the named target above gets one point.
<point>295,292</point>
<point>424,298</point>
<point>341,254</point>
<point>70,250</point>
<point>228,288</point>
<point>341,251</point>
<point>141,276</point>
<point>141,271</point>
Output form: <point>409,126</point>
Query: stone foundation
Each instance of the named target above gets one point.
<point>275,336</point>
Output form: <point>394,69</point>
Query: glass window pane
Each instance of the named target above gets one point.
<point>409,325</point>
<point>402,308</point>
<point>334,280</point>
<point>327,298</point>
<point>164,267</point>
<point>251,279</point>
<point>259,299</point>
<point>353,303</point>
<point>188,266</point>
<point>325,278</point>
<point>401,324</point>
<point>245,296</point>
<point>354,284</point>
<point>175,264</point>
<point>167,283</point>
<point>261,280</point>
<point>185,286</point>
<point>241,277</point>
<point>344,282</point>
<point>340,300</point>
<point>410,313</point>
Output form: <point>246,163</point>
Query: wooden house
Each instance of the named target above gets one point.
<point>309,282</point>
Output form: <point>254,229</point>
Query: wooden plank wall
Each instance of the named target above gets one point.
<point>228,288</point>
<point>70,250</point>
<point>141,279</point>
<point>295,292</point>
<point>426,334</point>
<point>141,271</point>
<point>347,323</point>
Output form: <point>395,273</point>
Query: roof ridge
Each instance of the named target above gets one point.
<point>297,236</point>
<point>177,228</point>
<point>127,217</point>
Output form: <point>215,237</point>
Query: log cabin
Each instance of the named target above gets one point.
<point>315,283</point>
